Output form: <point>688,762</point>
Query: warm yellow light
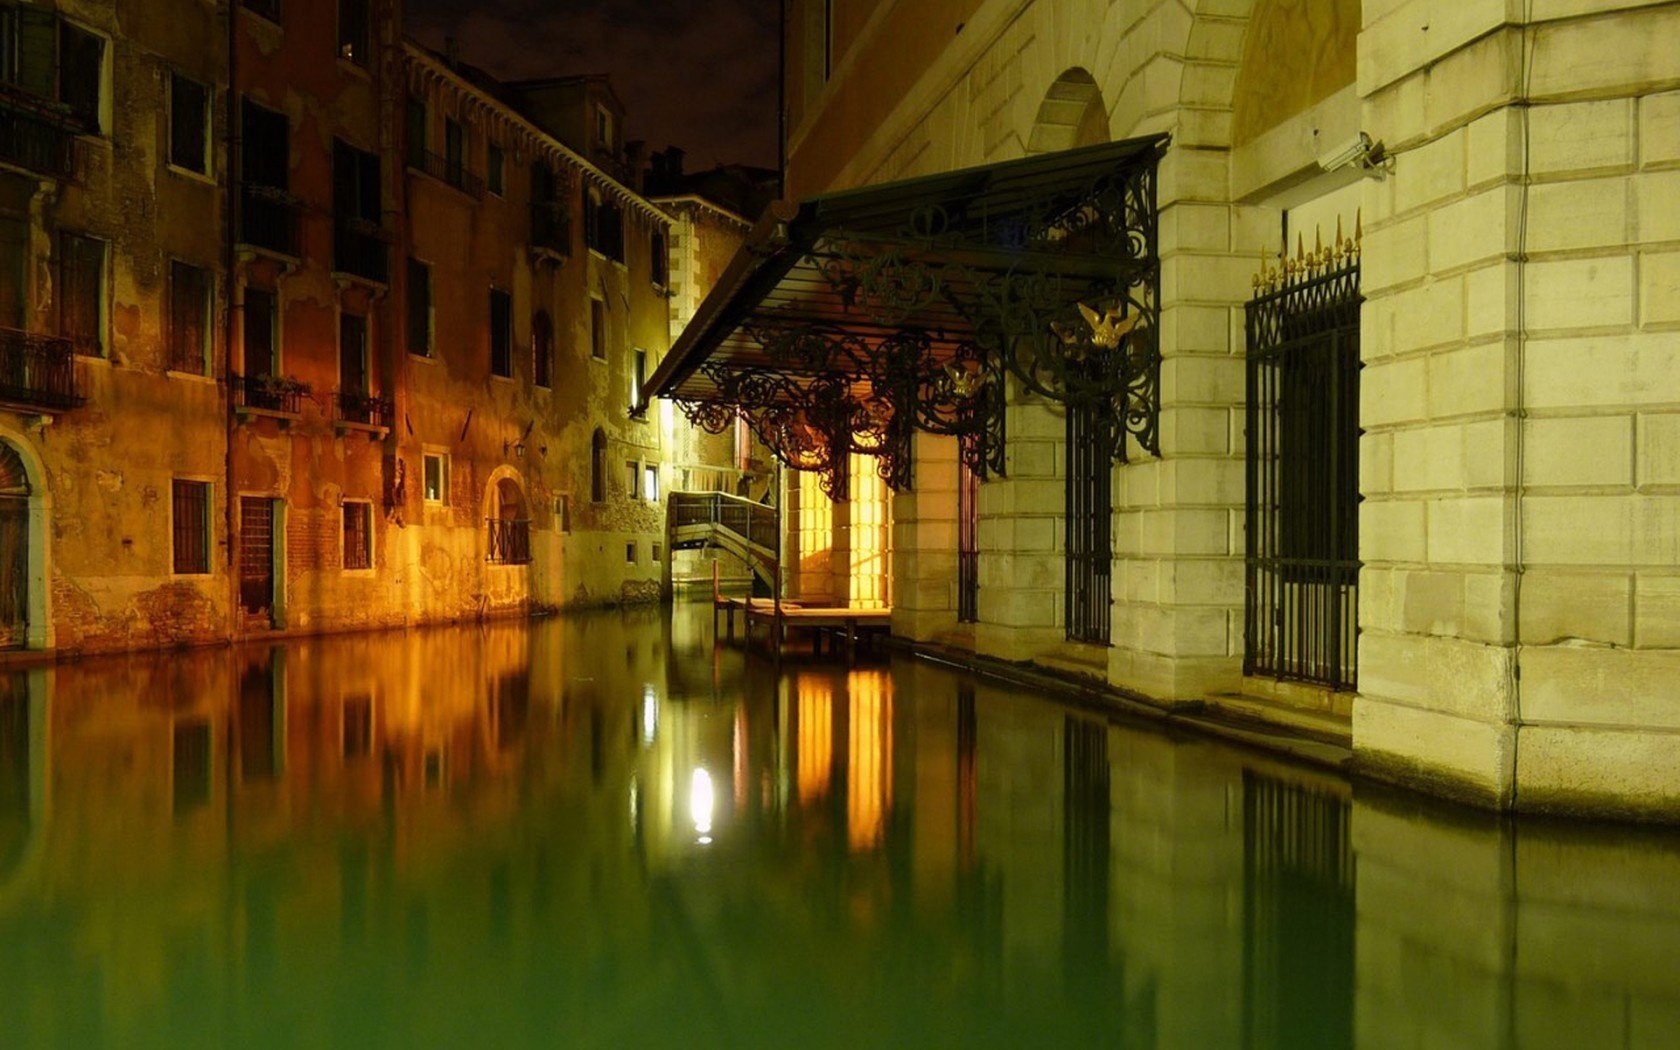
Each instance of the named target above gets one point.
<point>869,759</point>
<point>816,534</point>
<point>816,736</point>
<point>870,535</point>
<point>700,803</point>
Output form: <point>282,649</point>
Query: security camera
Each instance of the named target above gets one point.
<point>1346,153</point>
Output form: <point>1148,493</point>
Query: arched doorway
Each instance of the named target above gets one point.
<point>509,523</point>
<point>15,491</point>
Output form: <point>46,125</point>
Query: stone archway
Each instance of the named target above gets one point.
<point>25,509</point>
<point>1071,115</point>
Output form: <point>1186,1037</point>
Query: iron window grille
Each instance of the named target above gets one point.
<point>968,542</point>
<point>1089,552</point>
<point>191,506</point>
<point>358,535</point>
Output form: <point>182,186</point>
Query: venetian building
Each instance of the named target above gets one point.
<point>112,312</point>
<point>1402,471</point>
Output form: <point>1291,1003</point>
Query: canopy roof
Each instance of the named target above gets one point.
<point>877,296</point>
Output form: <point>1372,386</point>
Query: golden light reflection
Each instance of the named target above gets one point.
<point>870,536</point>
<point>869,758</point>
<point>816,736</point>
<point>701,802</point>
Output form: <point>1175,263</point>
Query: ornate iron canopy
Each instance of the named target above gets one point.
<point>851,321</point>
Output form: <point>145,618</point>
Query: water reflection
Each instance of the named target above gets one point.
<point>507,836</point>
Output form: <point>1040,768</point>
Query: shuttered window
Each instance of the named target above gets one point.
<point>81,292</point>
<point>189,318</point>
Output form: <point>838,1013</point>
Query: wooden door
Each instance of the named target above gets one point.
<point>256,555</point>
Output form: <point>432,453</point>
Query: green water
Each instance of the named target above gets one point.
<point>600,831</point>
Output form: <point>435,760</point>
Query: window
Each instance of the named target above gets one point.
<point>494,163</point>
<point>598,466</point>
<point>435,480</point>
<point>454,152</point>
<point>358,535</point>
<point>353,42</point>
<point>598,329</point>
<point>414,132</point>
<point>260,343</point>
<point>189,318</point>
<point>603,225</point>
<point>659,264</point>
<point>352,354</point>
<point>81,292</point>
<point>657,555</point>
<point>269,9</point>
<point>635,486</point>
<point>189,124</point>
<point>501,333</point>
<point>563,513</point>
<point>14,264</point>
<point>419,308</point>
<point>630,553</point>
<point>81,74</point>
<point>650,482</point>
<point>638,377</point>
<point>542,349</point>
<point>191,505</point>
<point>603,127</point>
<point>269,215</point>
<point>358,243</point>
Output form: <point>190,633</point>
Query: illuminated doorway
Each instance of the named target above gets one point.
<point>871,536</point>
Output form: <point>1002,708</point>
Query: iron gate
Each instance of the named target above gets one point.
<point>968,542</point>
<point>1090,521</point>
<point>256,555</point>
<point>1302,556</point>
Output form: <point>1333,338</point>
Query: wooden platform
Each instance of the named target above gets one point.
<point>783,617</point>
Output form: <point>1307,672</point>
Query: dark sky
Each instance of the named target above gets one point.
<point>700,74</point>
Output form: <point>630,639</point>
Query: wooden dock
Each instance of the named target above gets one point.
<point>844,624</point>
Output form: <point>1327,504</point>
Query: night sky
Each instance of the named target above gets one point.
<point>700,74</point>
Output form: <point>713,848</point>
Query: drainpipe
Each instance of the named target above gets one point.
<point>230,235</point>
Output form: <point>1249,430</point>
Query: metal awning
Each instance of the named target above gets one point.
<point>851,319</point>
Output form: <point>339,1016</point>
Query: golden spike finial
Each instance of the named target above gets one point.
<point>1358,225</point>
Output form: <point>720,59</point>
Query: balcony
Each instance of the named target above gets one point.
<point>360,249</point>
<point>449,172</point>
<point>551,228</point>
<point>364,411</point>
<point>37,372</point>
<point>510,541</point>
<point>269,219</point>
<point>36,136</point>
<point>265,395</point>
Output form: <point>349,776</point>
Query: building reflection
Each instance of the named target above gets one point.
<point>495,835</point>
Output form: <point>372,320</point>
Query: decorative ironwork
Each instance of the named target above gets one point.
<point>269,218</point>
<point>915,302</point>
<point>268,393</point>
<point>368,410</point>
<point>449,171</point>
<point>1302,556</point>
<point>37,371</point>
<point>360,248</point>
<point>1089,550</point>
<point>510,541</point>
<point>37,134</point>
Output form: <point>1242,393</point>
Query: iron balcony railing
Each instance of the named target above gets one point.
<point>34,136</point>
<point>368,410</point>
<point>449,172</point>
<point>269,218</point>
<point>551,227</point>
<point>754,522</point>
<point>268,393</point>
<point>37,371</point>
<point>510,541</point>
<point>359,248</point>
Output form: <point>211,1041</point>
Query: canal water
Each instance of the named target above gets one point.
<point>603,831</point>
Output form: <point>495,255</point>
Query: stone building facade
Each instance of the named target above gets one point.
<point>304,328</point>
<point>1499,184</point>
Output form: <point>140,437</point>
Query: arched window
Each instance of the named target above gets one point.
<point>598,466</point>
<point>542,349</point>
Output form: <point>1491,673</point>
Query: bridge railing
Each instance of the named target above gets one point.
<point>753,522</point>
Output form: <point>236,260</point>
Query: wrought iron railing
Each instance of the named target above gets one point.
<point>968,543</point>
<point>359,247</point>
<point>268,393</point>
<point>269,218</point>
<point>269,9</point>
<point>37,371</point>
<point>510,541</point>
<point>449,172</point>
<point>551,227</point>
<point>32,136</point>
<point>368,410</point>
